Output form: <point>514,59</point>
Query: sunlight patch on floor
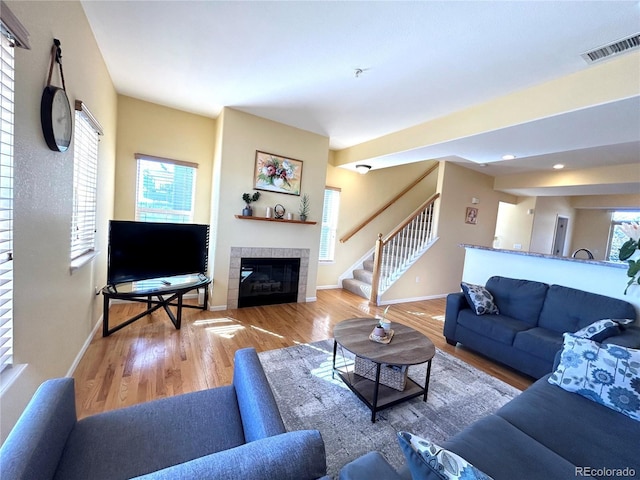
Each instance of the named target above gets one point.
<point>325,372</point>
<point>440,318</point>
<point>225,331</point>
<point>267,331</point>
<point>212,321</point>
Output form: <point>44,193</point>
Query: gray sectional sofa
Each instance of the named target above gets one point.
<point>230,432</point>
<point>527,332</point>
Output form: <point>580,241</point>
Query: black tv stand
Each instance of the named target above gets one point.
<point>165,289</point>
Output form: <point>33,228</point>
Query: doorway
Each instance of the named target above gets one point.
<point>560,236</point>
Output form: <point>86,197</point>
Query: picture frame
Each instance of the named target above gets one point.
<point>275,173</point>
<point>471,216</point>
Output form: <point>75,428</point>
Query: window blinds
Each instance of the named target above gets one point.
<point>165,190</point>
<point>330,208</point>
<point>85,178</point>
<point>6,202</point>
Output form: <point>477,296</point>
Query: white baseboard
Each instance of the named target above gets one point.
<point>217,308</point>
<point>328,287</point>
<point>84,348</point>
<point>413,299</point>
<point>311,299</point>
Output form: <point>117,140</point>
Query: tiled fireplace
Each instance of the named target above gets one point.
<point>239,253</point>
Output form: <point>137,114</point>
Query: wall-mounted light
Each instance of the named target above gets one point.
<point>363,169</point>
<point>475,200</point>
<point>530,211</point>
<point>558,166</point>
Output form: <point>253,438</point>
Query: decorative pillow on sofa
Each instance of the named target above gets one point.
<point>429,461</point>
<point>599,330</point>
<point>479,298</point>
<point>605,373</point>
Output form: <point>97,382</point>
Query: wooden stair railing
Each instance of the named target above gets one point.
<point>374,215</point>
<point>402,247</point>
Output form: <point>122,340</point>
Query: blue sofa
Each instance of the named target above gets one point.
<point>230,432</point>
<point>527,332</point>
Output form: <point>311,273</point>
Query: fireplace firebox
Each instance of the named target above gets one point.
<point>268,281</point>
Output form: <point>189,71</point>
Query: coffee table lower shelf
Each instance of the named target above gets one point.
<point>365,390</point>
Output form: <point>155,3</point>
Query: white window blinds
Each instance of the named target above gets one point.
<point>165,190</point>
<point>330,210</point>
<point>85,183</point>
<point>6,203</point>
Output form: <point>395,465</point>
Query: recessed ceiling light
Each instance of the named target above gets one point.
<point>483,164</point>
<point>558,166</point>
<point>508,157</point>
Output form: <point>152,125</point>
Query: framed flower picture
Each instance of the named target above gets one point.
<point>277,174</point>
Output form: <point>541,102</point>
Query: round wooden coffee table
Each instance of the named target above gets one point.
<point>407,347</point>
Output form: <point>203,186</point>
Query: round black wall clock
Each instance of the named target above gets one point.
<point>55,111</point>
<point>55,115</point>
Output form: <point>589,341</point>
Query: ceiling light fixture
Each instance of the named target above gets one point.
<point>508,157</point>
<point>363,169</point>
<point>558,166</point>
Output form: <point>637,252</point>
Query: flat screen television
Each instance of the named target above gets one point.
<point>144,250</point>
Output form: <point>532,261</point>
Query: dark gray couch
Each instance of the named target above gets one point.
<point>545,433</point>
<point>230,432</point>
<point>533,316</point>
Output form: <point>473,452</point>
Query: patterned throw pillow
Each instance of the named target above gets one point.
<point>429,461</point>
<point>479,298</point>
<point>605,373</point>
<point>599,330</point>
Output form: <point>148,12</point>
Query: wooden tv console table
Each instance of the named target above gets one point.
<point>165,289</point>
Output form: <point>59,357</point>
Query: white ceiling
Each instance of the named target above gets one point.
<point>294,62</point>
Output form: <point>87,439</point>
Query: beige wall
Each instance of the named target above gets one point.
<point>163,132</point>
<point>591,231</point>
<point>440,269</point>
<point>54,310</point>
<point>514,224</point>
<point>548,209</point>
<point>240,136</point>
<point>360,197</point>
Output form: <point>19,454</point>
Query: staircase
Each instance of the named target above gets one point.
<point>395,253</point>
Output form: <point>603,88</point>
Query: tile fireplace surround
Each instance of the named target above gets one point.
<point>237,253</point>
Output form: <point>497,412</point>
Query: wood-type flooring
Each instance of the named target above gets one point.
<point>150,359</point>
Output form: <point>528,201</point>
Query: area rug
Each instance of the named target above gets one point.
<point>310,398</point>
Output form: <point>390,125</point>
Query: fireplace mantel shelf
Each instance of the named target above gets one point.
<point>281,220</point>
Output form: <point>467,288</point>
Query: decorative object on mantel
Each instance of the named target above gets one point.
<point>471,216</point>
<point>631,248</point>
<point>247,211</point>
<point>55,111</point>
<point>278,211</point>
<point>279,174</point>
<point>305,204</point>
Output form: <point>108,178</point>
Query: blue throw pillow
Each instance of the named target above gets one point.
<point>479,298</point>
<point>429,461</point>
<point>604,373</point>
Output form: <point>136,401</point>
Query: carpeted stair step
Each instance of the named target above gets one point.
<point>358,287</point>
<point>363,275</point>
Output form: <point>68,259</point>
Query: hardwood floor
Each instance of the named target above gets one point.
<point>151,359</point>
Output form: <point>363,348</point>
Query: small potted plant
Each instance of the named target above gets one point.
<point>304,207</point>
<point>247,211</point>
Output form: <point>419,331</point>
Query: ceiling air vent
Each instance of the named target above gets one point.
<point>615,48</point>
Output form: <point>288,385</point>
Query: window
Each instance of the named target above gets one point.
<point>330,210</point>
<point>12,34</point>
<point>616,235</point>
<point>165,190</point>
<point>85,184</point>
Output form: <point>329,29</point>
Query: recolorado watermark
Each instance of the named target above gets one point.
<point>605,472</point>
